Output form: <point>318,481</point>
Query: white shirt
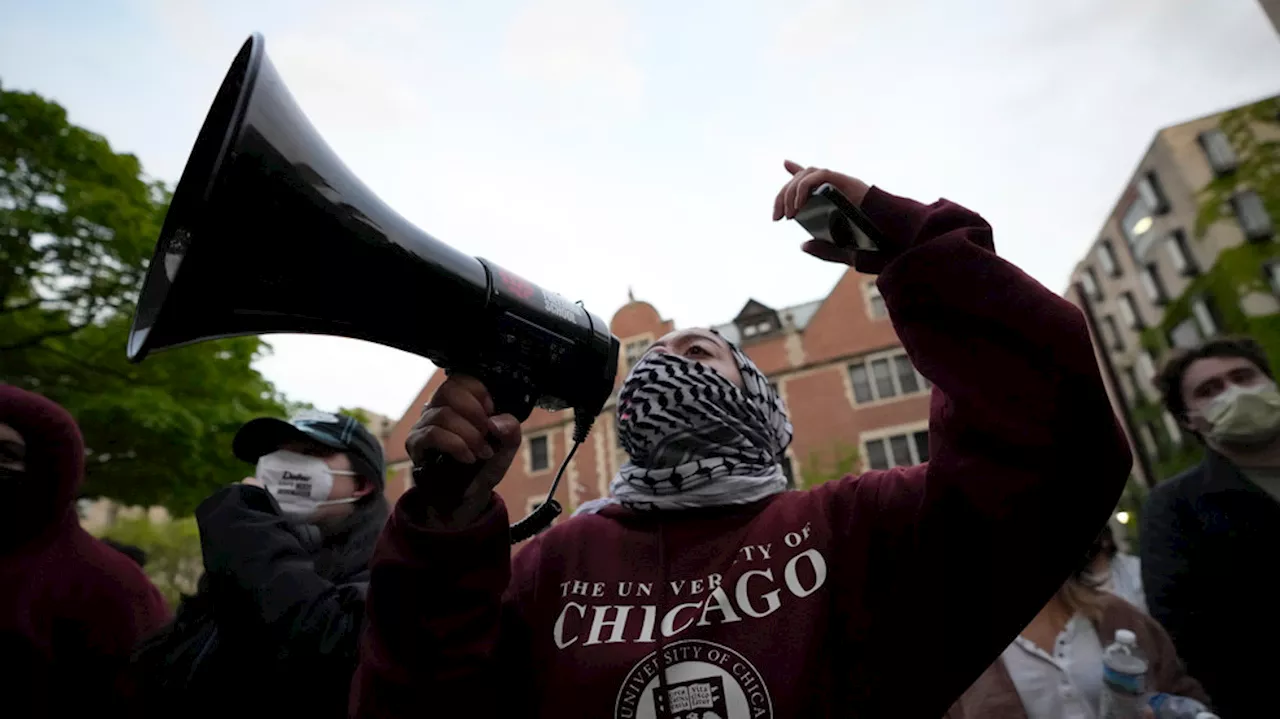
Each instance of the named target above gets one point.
<point>1064,685</point>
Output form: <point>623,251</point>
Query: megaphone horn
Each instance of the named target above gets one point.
<point>269,232</point>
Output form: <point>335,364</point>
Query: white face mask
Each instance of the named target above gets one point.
<point>300,483</point>
<point>1244,415</point>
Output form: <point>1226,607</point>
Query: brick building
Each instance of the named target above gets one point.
<point>1187,252</point>
<point>836,362</point>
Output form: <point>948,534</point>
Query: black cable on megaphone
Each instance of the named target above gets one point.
<point>268,231</point>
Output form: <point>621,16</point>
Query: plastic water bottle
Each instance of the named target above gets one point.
<point>1172,706</point>
<point>1124,678</point>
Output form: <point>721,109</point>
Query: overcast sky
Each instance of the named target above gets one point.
<point>556,137</point>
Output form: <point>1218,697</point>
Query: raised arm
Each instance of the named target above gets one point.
<point>259,565</point>
<point>1026,456</point>
<point>439,637</point>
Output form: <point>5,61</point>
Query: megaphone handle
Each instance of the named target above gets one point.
<point>445,478</point>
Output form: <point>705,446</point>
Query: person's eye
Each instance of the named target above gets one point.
<point>698,351</point>
<point>12,452</point>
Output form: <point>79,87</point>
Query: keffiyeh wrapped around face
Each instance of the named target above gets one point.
<point>696,439</point>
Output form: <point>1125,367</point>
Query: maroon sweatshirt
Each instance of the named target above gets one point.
<point>884,594</point>
<point>71,608</point>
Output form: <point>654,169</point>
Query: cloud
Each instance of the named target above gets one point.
<point>581,54</point>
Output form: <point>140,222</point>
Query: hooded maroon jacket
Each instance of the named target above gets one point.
<point>71,608</point>
<point>880,595</point>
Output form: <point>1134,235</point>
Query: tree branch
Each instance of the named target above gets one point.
<point>21,306</point>
<point>89,365</point>
<point>38,339</point>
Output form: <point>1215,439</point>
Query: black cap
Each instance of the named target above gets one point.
<point>265,435</point>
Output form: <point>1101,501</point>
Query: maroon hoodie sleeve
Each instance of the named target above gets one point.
<point>118,607</point>
<point>1027,459</point>
<point>433,618</point>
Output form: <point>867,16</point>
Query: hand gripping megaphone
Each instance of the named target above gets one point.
<point>269,232</point>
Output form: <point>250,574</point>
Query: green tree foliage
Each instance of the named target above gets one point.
<point>1254,132</point>
<point>78,222</point>
<point>357,414</point>
<point>174,561</point>
<point>840,460</point>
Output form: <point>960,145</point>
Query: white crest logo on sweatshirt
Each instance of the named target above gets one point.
<point>705,680</point>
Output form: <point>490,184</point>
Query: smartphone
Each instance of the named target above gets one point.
<point>830,217</point>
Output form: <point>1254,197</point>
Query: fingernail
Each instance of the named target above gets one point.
<point>486,452</point>
<point>494,427</point>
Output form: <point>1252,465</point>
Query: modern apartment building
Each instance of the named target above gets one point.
<point>854,397</point>
<point>1187,252</point>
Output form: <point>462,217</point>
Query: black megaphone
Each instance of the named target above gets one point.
<point>269,232</point>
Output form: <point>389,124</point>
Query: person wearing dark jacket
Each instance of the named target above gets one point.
<point>1210,535</point>
<point>702,587</point>
<point>71,608</point>
<point>273,628</point>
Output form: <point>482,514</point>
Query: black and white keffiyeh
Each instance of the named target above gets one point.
<point>696,439</point>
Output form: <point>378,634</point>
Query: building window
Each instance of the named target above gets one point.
<point>1089,281</point>
<point>875,301</point>
<point>1180,254</point>
<point>1129,311</point>
<point>1252,215</point>
<point>1128,387</point>
<point>1111,333</point>
<point>755,328</point>
<point>1185,334</point>
<point>1152,193</point>
<point>634,351</point>
<point>539,454</point>
<point>1221,155</point>
<point>1151,283</point>
<point>1131,378</point>
<point>899,450</point>
<point>1137,224</point>
<point>1107,258</point>
<point>1172,429</point>
<point>884,377</point>
<point>1205,317</point>
<point>1146,367</point>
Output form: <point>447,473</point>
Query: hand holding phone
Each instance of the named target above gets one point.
<point>829,216</point>
<point>826,204</point>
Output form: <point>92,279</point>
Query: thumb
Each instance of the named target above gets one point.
<point>506,429</point>
<point>792,167</point>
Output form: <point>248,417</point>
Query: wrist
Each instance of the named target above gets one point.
<point>455,516</point>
